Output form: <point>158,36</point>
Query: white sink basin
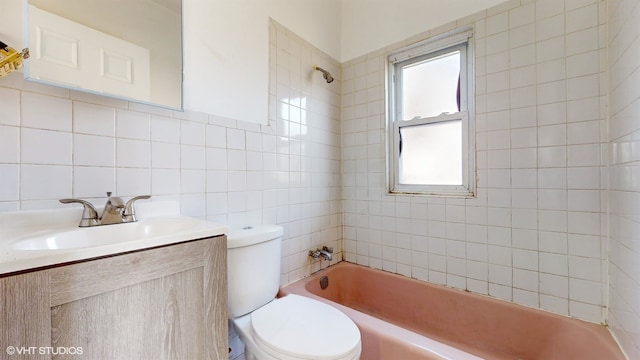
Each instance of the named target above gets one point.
<point>106,235</point>
<point>40,238</point>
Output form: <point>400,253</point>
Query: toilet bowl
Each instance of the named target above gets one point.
<point>288,328</point>
<point>295,327</point>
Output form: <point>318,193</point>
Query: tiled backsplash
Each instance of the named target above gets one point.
<point>56,143</point>
<point>535,234</point>
<point>624,203</point>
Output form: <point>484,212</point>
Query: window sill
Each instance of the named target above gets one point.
<point>434,194</point>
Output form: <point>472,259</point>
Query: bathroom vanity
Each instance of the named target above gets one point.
<point>166,301</point>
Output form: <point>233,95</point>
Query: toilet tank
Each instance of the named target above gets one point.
<point>253,267</point>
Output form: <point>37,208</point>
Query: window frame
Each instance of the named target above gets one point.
<point>462,40</point>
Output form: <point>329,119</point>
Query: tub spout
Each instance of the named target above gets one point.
<point>326,253</point>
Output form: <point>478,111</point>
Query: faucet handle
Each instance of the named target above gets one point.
<point>89,213</point>
<point>129,212</point>
<point>328,249</point>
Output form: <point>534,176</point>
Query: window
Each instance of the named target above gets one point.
<point>430,120</point>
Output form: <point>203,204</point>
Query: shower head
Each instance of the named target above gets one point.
<point>325,74</point>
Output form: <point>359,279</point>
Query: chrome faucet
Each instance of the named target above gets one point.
<point>115,211</point>
<point>325,252</point>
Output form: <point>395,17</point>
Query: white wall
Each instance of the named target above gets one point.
<point>536,233</point>
<point>11,31</point>
<point>624,138</point>
<point>369,25</point>
<point>318,22</point>
<point>226,50</point>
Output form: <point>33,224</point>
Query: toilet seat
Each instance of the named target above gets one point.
<point>296,327</point>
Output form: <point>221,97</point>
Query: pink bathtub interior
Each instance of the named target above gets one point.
<point>403,318</point>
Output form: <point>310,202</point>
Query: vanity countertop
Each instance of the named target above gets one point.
<point>36,239</point>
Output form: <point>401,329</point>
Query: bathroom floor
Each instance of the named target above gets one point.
<point>236,347</point>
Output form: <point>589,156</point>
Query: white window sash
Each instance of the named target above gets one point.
<point>463,78</point>
<point>434,44</point>
<point>465,189</point>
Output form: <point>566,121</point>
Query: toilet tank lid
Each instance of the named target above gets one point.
<point>250,235</point>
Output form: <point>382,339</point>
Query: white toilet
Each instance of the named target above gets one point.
<point>288,328</point>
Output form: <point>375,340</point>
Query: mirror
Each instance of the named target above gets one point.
<point>129,49</point>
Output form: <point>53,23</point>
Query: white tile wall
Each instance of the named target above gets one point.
<point>624,199</point>
<point>540,90</point>
<point>93,119</point>
<point>45,112</point>
<point>56,143</point>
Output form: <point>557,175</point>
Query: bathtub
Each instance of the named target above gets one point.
<point>403,318</point>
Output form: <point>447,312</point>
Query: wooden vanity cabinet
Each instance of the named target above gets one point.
<point>168,302</point>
